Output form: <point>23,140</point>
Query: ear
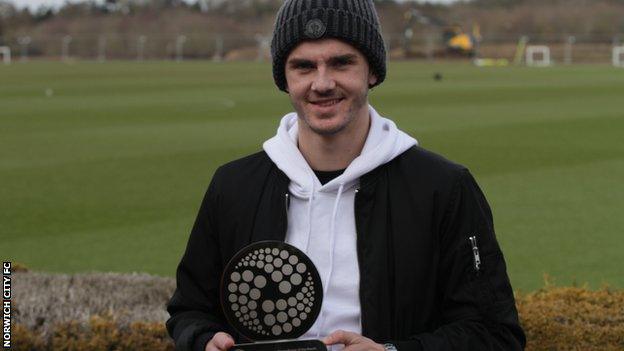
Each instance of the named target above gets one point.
<point>372,79</point>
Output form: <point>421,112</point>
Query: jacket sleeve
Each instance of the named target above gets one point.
<point>478,309</point>
<point>194,308</point>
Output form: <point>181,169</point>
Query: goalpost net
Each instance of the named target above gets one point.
<point>5,52</point>
<point>618,56</point>
<point>538,55</point>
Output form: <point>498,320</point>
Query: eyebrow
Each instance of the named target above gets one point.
<point>340,59</point>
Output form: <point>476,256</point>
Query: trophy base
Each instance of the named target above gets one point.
<point>283,345</point>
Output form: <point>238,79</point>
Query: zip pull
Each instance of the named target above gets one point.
<point>475,253</point>
<point>286,202</point>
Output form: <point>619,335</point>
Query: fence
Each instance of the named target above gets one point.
<point>563,49</point>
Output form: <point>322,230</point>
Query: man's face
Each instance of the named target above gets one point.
<point>328,84</point>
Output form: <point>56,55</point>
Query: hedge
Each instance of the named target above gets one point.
<point>107,311</point>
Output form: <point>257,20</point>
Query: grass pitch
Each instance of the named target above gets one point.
<point>103,166</point>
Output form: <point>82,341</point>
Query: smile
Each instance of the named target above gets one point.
<point>326,103</point>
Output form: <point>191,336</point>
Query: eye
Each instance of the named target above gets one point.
<point>302,66</point>
<point>342,62</point>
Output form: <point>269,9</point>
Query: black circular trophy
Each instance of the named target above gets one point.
<point>272,293</point>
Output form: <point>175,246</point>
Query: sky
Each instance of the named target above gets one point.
<point>34,4</point>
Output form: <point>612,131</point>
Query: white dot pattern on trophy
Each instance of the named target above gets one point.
<point>269,319</point>
<point>268,306</point>
<point>260,282</point>
<point>247,275</point>
<point>285,287</point>
<point>295,279</point>
<point>254,294</point>
<point>277,276</point>
<point>301,267</point>
<point>281,304</point>
<point>292,312</point>
<point>287,269</point>
<point>262,311</point>
<point>235,277</point>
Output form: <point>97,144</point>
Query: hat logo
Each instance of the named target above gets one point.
<point>315,28</point>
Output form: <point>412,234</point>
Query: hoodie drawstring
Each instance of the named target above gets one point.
<point>332,240</point>
<point>312,176</point>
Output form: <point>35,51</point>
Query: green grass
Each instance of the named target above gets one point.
<point>108,172</point>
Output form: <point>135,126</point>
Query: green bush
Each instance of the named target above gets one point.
<point>100,334</point>
<point>573,318</point>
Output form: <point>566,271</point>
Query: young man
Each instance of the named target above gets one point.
<point>402,238</point>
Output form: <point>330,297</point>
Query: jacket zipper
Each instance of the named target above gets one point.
<point>475,254</point>
<point>286,204</point>
<point>355,197</point>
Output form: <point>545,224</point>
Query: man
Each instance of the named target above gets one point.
<point>402,238</point>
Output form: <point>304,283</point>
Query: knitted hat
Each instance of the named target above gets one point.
<point>354,21</point>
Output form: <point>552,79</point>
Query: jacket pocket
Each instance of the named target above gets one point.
<point>488,274</point>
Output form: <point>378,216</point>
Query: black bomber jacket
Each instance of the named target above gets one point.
<point>424,284</point>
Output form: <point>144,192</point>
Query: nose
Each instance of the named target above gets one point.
<point>323,81</point>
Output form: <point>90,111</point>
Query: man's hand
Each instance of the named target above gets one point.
<point>220,342</point>
<point>352,341</point>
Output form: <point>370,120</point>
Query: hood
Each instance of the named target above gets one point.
<point>383,143</point>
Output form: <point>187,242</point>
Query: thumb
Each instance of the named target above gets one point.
<point>223,341</point>
<point>337,337</point>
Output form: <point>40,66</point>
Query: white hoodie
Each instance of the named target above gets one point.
<point>321,218</point>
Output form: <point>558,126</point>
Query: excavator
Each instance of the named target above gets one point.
<point>457,42</point>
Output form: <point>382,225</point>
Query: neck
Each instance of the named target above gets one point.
<point>334,152</point>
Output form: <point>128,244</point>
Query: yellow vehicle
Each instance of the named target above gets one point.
<point>456,41</point>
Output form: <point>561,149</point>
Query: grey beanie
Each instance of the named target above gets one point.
<point>354,21</point>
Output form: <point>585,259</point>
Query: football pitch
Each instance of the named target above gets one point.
<point>103,165</point>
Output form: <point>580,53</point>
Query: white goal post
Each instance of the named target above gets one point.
<point>543,51</point>
<point>618,56</point>
<point>5,51</point>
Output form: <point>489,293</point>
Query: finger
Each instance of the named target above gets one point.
<point>222,341</point>
<point>341,337</point>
